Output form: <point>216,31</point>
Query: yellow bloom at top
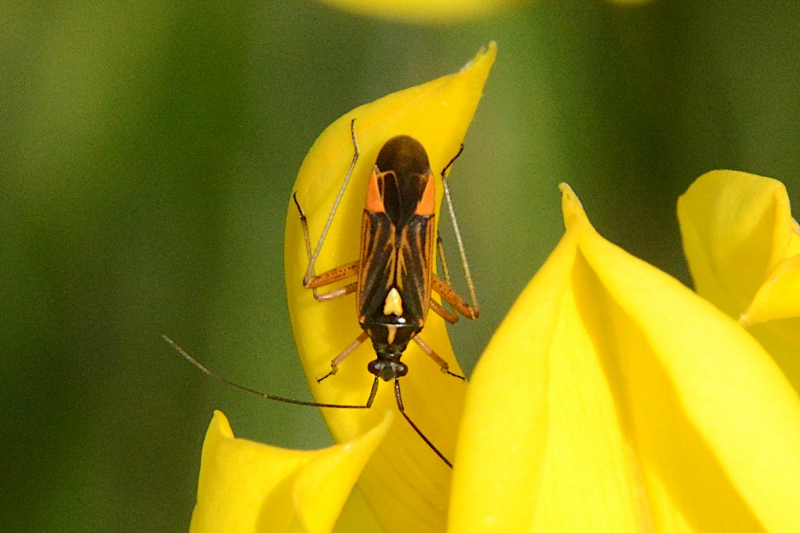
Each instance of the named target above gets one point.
<point>437,11</point>
<point>424,10</point>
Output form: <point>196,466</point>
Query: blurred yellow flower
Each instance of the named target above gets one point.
<point>437,11</point>
<point>743,249</point>
<point>612,398</point>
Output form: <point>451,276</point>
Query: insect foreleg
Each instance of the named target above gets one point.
<point>341,357</point>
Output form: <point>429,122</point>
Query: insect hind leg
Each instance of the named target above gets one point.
<point>472,310</point>
<point>437,308</point>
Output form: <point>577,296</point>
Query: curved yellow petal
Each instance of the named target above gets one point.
<point>743,249</point>
<point>405,484</point>
<point>421,11</point>
<point>245,486</point>
<point>737,231</point>
<point>612,398</point>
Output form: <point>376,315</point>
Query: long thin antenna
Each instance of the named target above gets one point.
<point>402,410</point>
<point>208,372</point>
<point>373,392</point>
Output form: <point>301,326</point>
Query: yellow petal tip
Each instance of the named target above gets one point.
<point>220,423</point>
<point>487,53</point>
<point>571,206</point>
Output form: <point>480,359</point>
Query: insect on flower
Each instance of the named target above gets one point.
<point>394,275</point>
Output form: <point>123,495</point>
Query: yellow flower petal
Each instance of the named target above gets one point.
<point>246,486</point>
<point>612,398</point>
<point>743,248</point>
<point>424,10</point>
<point>738,231</point>
<point>437,11</point>
<point>406,484</point>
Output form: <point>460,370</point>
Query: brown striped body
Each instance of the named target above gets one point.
<point>397,240</point>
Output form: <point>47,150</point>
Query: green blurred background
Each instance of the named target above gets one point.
<point>147,155</point>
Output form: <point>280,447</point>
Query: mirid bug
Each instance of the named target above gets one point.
<point>394,275</point>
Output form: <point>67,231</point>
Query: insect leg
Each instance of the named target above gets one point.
<point>400,406</point>
<point>332,295</point>
<point>436,358</point>
<point>473,309</point>
<point>347,351</point>
<point>315,255</point>
<point>450,295</point>
<point>331,276</point>
<point>437,308</point>
<point>442,258</point>
<point>450,316</point>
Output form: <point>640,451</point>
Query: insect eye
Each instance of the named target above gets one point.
<point>401,370</point>
<point>374,367</point>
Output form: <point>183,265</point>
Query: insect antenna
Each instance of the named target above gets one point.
<point>209,373</point>
<point>370,400</point>
<point>402,410</point>
<point>453,159</point>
